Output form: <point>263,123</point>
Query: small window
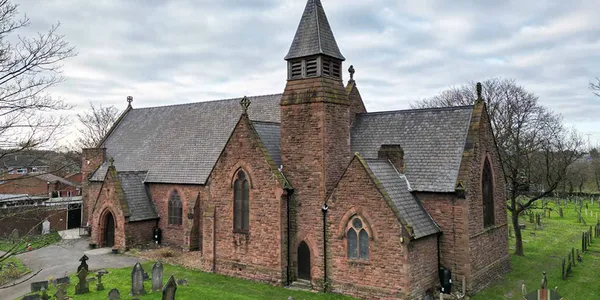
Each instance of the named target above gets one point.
<point>175,209</point>
<point>241,203</point>
<point>311,67</point>
<point>68,193</point>
<point>296,69</point>
<point>487,189</point>
<point>358,239</point>
<point>22,171</point>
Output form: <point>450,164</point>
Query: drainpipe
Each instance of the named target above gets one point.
<point>324,209</point>
<point>289,225</point>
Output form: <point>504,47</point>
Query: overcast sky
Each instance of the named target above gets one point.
<point>168,52</point>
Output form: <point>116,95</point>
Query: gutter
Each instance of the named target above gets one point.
<point>324,209</point>
<point>289,224</point>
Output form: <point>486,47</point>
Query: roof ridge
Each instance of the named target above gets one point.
<point>265,122</point>
<point>417,110</point>
<point>209,101</point>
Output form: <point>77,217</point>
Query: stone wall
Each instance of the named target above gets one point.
<point>139,233</point>
<point>91,159</point>
<point>109,203</point>
<point>423,266</point>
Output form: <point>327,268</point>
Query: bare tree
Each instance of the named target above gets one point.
<point>29,66</point>
<point>595,87</point>
<point>534,146</point>
<point>95,124</point>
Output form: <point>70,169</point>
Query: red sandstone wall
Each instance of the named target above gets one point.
<point>139,233</point>
<point>385,274</point>
<point>108,202</point>
<point>423,266</point>
<point>258,254</point>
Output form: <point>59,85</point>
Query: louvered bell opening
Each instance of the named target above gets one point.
<point>311,67</point>
<point>326,68</point>
<point>296,69</point>
<point>335,66</point>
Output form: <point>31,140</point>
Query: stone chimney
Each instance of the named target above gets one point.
<point>393,153</point>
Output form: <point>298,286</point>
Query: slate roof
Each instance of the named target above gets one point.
<point>137,196</point>
<point>398,189</point>
<point>433,141</point>
<point>314,35</point>
<point>179,143</point>
<point>269,134</point>
<point>53,178</point>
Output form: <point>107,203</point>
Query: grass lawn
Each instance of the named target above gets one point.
<point>37,241</point>
<point>545,250</point>
<point>200,286</point>
<point>11,269</point>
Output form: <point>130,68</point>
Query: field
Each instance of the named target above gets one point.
<point>544,251</point>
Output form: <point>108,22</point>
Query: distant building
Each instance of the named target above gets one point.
<point>17,164</point>
<point>307,186</point>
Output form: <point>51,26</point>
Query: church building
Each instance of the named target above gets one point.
<point>307,187</point>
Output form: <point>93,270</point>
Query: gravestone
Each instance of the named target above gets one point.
<point>114,295</point>
<point>83,264</point>
<point>146,276</point>
<point>560,212</point>
<point>32,297</point>
<point>82,287</point>
<point>38,286</point>
<point>169,289</point>
<point>99,285</point>
<point>137,280</point>
<point>61,292</point>
<point>14,235</point>
<point>157,276</point>
<point>182,282</point>
<point>46,227</point>
<point>62,280</point>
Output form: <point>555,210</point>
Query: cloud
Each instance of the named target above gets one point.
<point>166,52</point>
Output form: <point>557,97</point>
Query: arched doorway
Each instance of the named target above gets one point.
<point>109,230</point>
<point>303,261</point>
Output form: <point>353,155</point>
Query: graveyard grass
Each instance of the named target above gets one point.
<point>37,241</point>
<point>12,269</point>
<point>200,286</point>
<point>545,251</point>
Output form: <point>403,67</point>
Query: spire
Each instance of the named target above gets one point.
<point>314,36</point>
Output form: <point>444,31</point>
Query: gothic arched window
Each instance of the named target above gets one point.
<point>358,239</point>
<point>241,203</point>
<point>175,209</point>
<point>487,191</point>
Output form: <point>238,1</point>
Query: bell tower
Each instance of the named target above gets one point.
<point>315,133</point>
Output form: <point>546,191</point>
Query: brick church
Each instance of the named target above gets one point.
<point>307,186</point>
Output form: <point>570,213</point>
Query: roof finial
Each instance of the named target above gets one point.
<point>112,161</point>
<point>245,103</point>
<point>129,100</point>
<point>352,71</point>
<point>479,98</point>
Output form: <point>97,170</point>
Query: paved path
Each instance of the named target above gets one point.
<point>62,259</point>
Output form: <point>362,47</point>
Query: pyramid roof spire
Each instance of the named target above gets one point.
<point>314,35</point>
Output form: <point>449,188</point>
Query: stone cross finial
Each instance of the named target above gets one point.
<point>479,98</point>
<point>129,100</point>
<point>245,103</point>
<point>351,71</point>
<point>112,161</point>
<point>544,281</point>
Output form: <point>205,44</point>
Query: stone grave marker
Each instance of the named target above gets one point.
<point>99,285</point>
<point>114,295</point>
<point>32,297</point>
<point>83,264</point>
<point>82,287</point>
<point>157,276</point>
<point>38,286</point>
<point>61,292</point>
<point>182,282</point>
<point>137,280</point>
<point>62,280</point>
<point>46,227</point>
<point>560,212</point>
<point>146,276</point>
<point>169,289</point>
<point>14,235</point>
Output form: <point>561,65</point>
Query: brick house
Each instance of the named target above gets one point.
<point>307,186</point>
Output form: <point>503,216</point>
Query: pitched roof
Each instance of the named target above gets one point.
<point>433,141</point>
<point>269,134</point>
<point>22,160</point>
<point>137,196</point>
<point>53,178</point>
<point>179,143</point>
<point>314,35</point>
<point>397,188</point>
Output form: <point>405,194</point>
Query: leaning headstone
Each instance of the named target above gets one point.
<point>169,289</point>
<point>14,235</point>
<point>137,280</point>
<point>157,276</point>
<point>83,264</point>
<point>99,285</point>
<point>114,295</point>
<point>82,287</point>
<point>62,280</point>
<point>61,292</point>
<point>32,297</point>
<point>38,286</point>
<point>46,227</point>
